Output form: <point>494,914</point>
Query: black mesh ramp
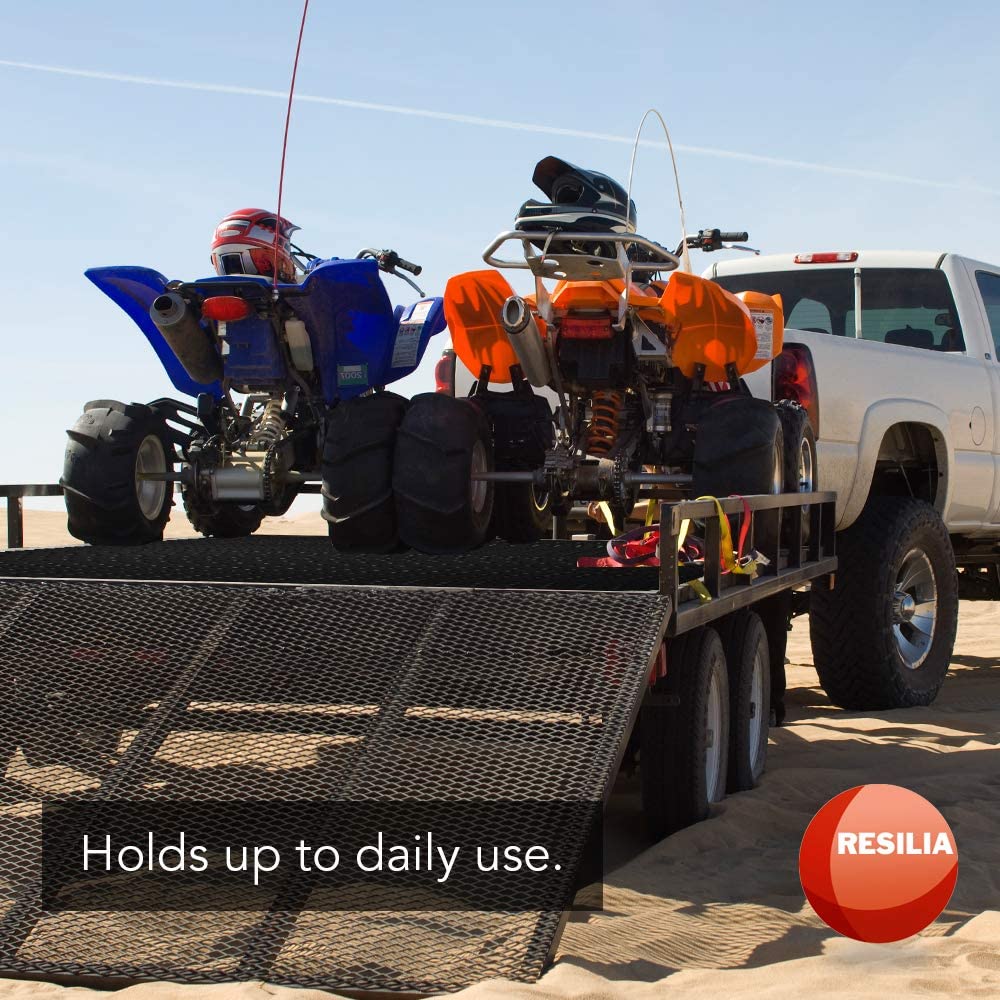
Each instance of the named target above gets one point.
<point>181,692</point>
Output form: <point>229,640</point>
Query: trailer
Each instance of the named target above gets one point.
<point>276,670</point>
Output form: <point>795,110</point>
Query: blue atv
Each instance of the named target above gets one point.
<point>287,387</point>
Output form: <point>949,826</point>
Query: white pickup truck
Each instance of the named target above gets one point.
<point>895,356</point>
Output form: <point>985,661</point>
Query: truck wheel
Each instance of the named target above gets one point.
<point>738,449</point>
<point>749,661</point>
<point>107,503</point>
<point>522,512</point>
<point>684,735</point>
<point>358,452</point>
<point>883,636</point>
<point>800,465</point>
<point>220,520</point>
<point>442,443</point>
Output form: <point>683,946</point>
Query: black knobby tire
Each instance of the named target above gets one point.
<point>216,519</point>
<point>749,662</point>
<point>358,450</point>
<point>800,460</point>
<point>738,449</point>
<point>439,508</point>
<point>674,735</point>
<point>106,504</point>
<point>861,640</point>
<point>522,512</point>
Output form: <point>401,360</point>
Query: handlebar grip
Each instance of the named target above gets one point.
<point>734,237</point>
<point>407,266</point>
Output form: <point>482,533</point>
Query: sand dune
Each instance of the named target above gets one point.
<point>717,909</point>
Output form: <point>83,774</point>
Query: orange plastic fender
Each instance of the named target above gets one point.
<point>712,327</point>
<point>472,305</point>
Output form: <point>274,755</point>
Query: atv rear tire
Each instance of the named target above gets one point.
<point>358,502</point>
<point>213,518</point>
<point>440,508</point>
<point>800,475</point>
<point>883,636</point>
<point>106,502</point>
<point>522,512</point>
<point>684,735</point>
<point>738,449</point>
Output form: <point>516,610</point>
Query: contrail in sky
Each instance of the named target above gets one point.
<point>500,123</point>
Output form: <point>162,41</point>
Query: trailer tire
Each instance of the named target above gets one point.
<point>110,443</point>
<point>212,518</point>
<point>522,512</point>
<point>358,449</point>
<point>894,560</point>
<point>441,442</point>
<point>749,661</point>
<point>684,735</point>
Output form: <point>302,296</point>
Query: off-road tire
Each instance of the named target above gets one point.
<point>673,735</point>
<point>854,645</point>
<point>797,434</point>
<point>99,474</point>
<point>517,515</point>
<point>215,519</point>
<point>358,450</point>
<point>738,449</point>
<point>745,641</point>
<point>439,508</point>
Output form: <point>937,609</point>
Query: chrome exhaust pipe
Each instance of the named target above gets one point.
<point>186,337</point>
<point>527,341</point>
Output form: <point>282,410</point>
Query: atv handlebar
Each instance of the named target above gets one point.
<point>713,239</point>
<point>389,261</point>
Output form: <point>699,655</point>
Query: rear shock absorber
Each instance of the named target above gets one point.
<point>271,425</point>
<point>605,420</point>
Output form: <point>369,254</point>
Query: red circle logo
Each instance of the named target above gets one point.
<point>878,863</point>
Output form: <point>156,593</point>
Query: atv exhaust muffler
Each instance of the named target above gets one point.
<point>186,337</point>
<point>527,341</point>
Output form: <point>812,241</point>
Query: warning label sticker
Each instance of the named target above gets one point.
<point>763,325</point>
<point>407,346</point>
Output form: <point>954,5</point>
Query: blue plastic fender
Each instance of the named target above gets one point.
<point>134,289</point>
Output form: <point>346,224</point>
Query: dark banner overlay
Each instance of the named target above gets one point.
<point>359,856</point>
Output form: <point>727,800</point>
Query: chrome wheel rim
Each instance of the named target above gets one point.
<point>914,608</point>
<point>713,739</point>
<point>806,476</point>
<point>150,493</point>
<point>479,486</point>
<point>756,708</point>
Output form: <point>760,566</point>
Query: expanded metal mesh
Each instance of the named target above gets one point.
<point>220,692</point>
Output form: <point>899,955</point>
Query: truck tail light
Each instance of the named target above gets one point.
<point>795,378</point>
<point>832,257</point>
<point>444,373</point>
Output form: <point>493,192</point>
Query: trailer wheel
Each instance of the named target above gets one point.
<point>220,520</point>
<point>109,446</point>
<point>441,444</point>
<point>883,636</point>
<point>684,735</point>
<point>738,449</point>
<point>358,502</point>
<point>749,661</point>
<point>522,512</point>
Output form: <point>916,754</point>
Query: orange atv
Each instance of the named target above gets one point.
<point>644,363</point>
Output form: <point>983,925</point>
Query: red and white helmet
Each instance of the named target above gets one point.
<point>244,243</point>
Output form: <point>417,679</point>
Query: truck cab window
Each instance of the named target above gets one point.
<point>989,288</point>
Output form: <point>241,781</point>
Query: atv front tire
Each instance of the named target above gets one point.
<point>522,512</point>
<point>441,444</point>
<point>358,502</point>
<point>109,446</point>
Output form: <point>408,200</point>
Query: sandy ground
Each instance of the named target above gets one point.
<point>717,909</point>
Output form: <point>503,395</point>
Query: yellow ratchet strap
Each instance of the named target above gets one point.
<point>749,567</point>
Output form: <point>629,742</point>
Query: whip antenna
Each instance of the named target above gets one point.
<point>284,143</point>
<point>677,180</point>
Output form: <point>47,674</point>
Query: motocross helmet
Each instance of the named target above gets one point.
<point>244,243</point>
<point>580,200</point>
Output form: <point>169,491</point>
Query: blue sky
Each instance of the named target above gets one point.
<point>852,124</point>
